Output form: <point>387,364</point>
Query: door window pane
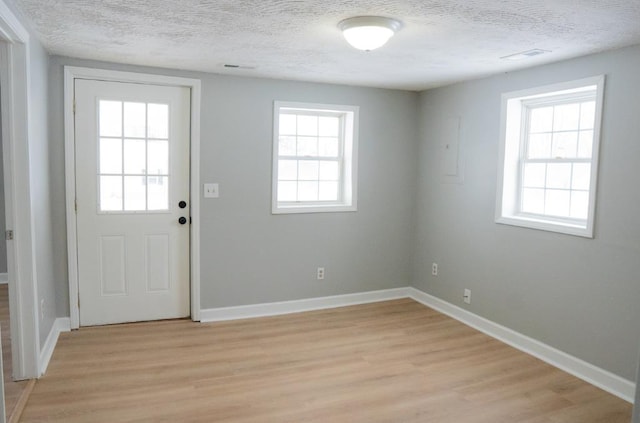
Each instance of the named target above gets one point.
<point>110,118</point>
<point>111,193</point>
<point>158,157</point>
<point>157,193</point>
<point>134,193</point>
<point>135,157</point>
<point>158,121</point>
<point>135,122</point>
<point>133,169</point>
<point>111,155</point>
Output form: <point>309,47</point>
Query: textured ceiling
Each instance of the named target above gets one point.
<point>442,41</point>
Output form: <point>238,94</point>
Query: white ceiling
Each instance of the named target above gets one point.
<point>442,41</point>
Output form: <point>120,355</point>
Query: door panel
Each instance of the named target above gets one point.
<point>132,171</point>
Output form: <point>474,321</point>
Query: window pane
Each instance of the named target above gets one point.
<point>158,157</point>
<point>557,203</point>
<point>329,171</point>
<point>135,122</point>
<point>566,117</point>
<point>579,204</point>
<point>581,176</point>
<point>587,115</point>
<point>110,118</point>
<point>540,146</point>
<point>158,193</point>
<point>329,126</point>
<point>559,175</point>
<point>565,145</point>
<point>585,144</point>
<point>328,147</point>
<point>111,193</point>
<point>328,191</point>
<point>533,201</point>
<point>134,157</point>
<point>308,170</point>
<point>307,125</point>
<point>308,191</point>
<point>134,193</point>
<point>307,146</point>
<point>158,121</point>
<point>287,146</point>
<point>110,155</point>
<point>287,191</point>
<point>535,175</point>
<point>287,125</point>
<point>541,119</point>
<point>287,170</point>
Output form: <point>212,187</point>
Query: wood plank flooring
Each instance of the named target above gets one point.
<point>12,390</point>
<point>395,361</point>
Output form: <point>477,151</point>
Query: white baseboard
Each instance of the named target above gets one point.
<point>61,324</point>
<point>601,378</point>
<point>297,306</point>
<point>4,278</point>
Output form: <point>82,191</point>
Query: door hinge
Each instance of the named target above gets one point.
<point>78,302</point>
<point>74,105</point>
<point>75,205</point>
<point>8,235</point>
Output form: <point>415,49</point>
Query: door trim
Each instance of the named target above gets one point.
<point>15,74</point>
<point>70,74</point>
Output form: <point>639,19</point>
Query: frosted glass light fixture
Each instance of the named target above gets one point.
<point>368,32</point>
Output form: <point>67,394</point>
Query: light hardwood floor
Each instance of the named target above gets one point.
<point>396,361</point>
<point>12,390</point>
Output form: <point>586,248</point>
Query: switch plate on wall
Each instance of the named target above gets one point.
<point>211,191</point>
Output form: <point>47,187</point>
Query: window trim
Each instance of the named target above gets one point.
<point>512,126</point>
<point>348,186</point>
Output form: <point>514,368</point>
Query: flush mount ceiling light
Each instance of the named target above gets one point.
<point>368,32</point>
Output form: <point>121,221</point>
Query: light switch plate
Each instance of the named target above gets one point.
<point>211,191</point>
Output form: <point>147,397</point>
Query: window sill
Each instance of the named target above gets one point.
<point>585,231</point>
<point>312,208</point>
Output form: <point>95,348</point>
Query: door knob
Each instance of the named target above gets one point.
<point>182,220</point>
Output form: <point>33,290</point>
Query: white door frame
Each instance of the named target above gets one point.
<point>70,74</point>
<point>21,264</point>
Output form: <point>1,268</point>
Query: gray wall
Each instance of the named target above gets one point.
<point>3,228</point>
<point>578,295</point>
<point>251,256</point>
<point>41,187</point>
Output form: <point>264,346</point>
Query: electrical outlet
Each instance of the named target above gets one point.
<point>320,273</point>
<point>42,309</point>
<point>467,296</point>
<point>434,269</point>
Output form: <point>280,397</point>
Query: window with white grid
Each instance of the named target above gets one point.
<point>314,166</point>
<point>549,151</point>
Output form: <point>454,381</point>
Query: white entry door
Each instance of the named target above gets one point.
<point>132,196</point>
